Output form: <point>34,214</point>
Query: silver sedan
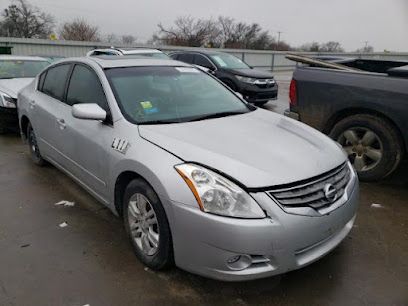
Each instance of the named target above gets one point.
<point>201,178</point>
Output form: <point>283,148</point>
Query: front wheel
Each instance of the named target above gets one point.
<point>371,143</point>
<point>147,225</point>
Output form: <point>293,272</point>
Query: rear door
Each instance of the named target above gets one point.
<point>46,105</point>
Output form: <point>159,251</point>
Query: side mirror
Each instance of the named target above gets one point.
<point>88,111</point>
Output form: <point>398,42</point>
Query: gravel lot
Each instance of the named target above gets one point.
<point>90,260</point>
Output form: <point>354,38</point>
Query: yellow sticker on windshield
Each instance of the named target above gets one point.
<point>146,104</point>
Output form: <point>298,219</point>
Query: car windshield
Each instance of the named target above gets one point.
<point>225,60</point>
<point>155,95</point>
<point>10,69</point>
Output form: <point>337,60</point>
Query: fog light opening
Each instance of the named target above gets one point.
<point>239,262</point>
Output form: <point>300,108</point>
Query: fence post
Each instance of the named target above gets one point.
<point>243,56</point>
<point>273,62</point>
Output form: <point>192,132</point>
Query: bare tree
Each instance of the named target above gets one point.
<point>331,46</point>
<point>309,47</point>
<point>79,30</point>
<point>128,39</point>
<point>21,19</point>
<point>188,31</point>
<point>366,49</point>
<point>111,38</point>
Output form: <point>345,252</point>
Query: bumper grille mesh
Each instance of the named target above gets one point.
<point>312,194</point>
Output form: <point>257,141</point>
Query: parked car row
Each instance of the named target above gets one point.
<point>171,149</point>
<point>256,86</point>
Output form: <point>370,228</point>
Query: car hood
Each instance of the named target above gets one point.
<point>252,73</point>
<point>13,86</point>
<point>258,149</point>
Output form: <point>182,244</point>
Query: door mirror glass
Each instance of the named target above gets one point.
<point>88,111</point>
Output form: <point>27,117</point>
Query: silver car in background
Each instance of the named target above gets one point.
<point>201,178</point>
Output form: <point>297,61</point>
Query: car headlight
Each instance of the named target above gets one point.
<point>7,101</point>
<point>218,195</point>
<point>246,79</point>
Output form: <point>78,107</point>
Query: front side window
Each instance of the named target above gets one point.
<point>85,87</point>
<point>202,61</point>
<point>10,69</point>
<point>171,94</point>
<point>186,57</point>
<point>55,80</point>
<point>225,60</point>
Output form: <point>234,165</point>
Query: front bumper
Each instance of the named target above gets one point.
<point>8,119</point>
<point>203,243</point>
<point>255,94</point>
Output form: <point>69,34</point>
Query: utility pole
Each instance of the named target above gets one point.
<point>366,45</point>
<point>279,35</point>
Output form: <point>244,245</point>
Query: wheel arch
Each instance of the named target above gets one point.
<point>340,115</point>
<point>24,125</point>
<point>122,181</point>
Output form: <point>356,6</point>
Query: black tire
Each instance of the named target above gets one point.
<point>390,144</point>
<point>35,153</point>
<point>163,258</point>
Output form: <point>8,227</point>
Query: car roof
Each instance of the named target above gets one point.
<point>107,61</point>
<point>139,50</point>
<point>22,58</point>
<point>205,52</point>
<point>130,50</point>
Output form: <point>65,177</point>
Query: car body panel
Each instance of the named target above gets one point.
<point>249,143</point>
<point>322,92</point>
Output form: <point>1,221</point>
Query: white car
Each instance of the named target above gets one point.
<point>16,72</point>
<point>154,53</point>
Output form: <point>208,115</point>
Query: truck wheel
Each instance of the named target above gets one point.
<point>33,146</point>
<point>147,226</point>
<point>372,144</point>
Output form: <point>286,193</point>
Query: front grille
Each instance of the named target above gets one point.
<point>312,193</point>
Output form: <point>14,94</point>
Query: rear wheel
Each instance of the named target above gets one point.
<point>33,147</point>
<point>147,225</point>
<point>372,145</point>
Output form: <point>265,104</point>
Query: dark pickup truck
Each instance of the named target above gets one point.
<point>365,110</point>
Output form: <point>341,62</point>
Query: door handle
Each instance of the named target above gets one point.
<point>61,123</point>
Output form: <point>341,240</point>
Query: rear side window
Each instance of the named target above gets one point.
<point>85,87</point>
<point>55,80</point>
<point>186,57</point>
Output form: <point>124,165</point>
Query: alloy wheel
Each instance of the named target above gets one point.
<point>143,224</point>
<point>364,148</point>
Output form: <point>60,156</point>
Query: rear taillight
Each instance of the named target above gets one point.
<point>293,93</point>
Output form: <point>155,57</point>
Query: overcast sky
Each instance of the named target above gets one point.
<point>383,23</point>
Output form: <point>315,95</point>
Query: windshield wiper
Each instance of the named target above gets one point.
<point>216,115</point>
<point>158,122</point>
